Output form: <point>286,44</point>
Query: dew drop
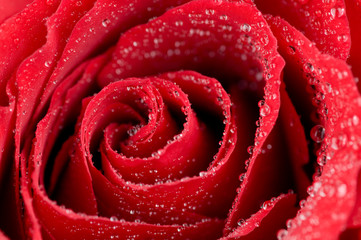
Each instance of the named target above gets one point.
<point>240,222</point>
<point>49,2</point>
<point>318,133</point>
<point>289,223</point>
<point>355,120</point>
<point>106,22</point>
<point>342,38</point>
<point>340,12</point>
<point>250,150</point>
<point>282,234</point>
<point>246,27</point>
<point>264,108</point>
<point>242,177</point>
<point>310,67</point>
<point>322,159</point>
<point>341,190</point>
<point>292,50</point>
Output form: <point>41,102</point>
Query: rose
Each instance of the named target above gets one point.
<point>63,114</point>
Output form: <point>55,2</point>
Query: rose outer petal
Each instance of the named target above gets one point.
<point>336,188</point>
<point>8,9</point>
<point>21,35</point>
<point>268,173</point>
<point>65,103</point>
<point>3,236</point>
<point>268,220</point>
<point>323,22</point>
<point>96,30</point>
<point>353,11</point>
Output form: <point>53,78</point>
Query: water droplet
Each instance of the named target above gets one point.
<point>342,38</point>
<point>250,150</point>
<point>289,223</point>
<point>310,67</point>
<point>340,12</point>
<point>202,174</point>
<point>282,234</point>
<point>242,177</point>
<point>341,190</point>
<point>292,50</point>
<point>355,120</point>
<point>265,205</point>
<point>322,159</point>
<point>259,76</point>
<point>106,22</point>
<point>318,133</point>
<point>264,108</point>
<point>339,142</point>
<point>240,222</point>
<point>246,27</point>
<point>49,2</point>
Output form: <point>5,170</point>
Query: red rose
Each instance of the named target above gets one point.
<point>180,120</point>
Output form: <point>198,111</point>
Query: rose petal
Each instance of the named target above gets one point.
<point>97,29</point>
<point>100,186</point>
<point>53,218</point>
<point>351,234</point>
<point>32,76</point>
<point>336,188</point>
<point>193,43</point>
<point>8,9</point>
<point>144,58</point>
<point>268,173</point>
<point>3,236</point>
<point>323,22</point>
<point>169,159</point>
<point>353,11</point>
<point>355,218</point>
<point>21,35</point>
<point>198,89</point>
<point>97,181</point>
<point>65,103</point>
<point>268,220</point>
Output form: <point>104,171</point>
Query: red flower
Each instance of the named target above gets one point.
<point>180,119</point>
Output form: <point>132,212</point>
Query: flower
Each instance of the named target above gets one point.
<point>202,119</point>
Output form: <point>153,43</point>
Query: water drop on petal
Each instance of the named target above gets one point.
<point>318,133</point>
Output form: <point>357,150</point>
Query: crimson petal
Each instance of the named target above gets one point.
<point>268,172</point>
<point>336,187</point>
<point>353,11</point>
<point>323,22</point>
<point>268,220</point>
